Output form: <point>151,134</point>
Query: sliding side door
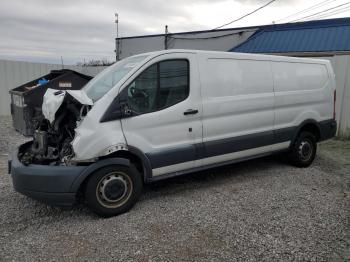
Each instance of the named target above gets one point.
<point>238,109</point>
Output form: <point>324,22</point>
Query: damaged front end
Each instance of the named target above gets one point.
<point>62,113</point>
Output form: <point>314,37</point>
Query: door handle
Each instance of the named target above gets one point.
<point>190,112</point>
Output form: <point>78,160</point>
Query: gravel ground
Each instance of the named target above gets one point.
<point>261,210</point>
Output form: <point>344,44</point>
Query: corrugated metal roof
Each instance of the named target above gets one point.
<point>313,36</point>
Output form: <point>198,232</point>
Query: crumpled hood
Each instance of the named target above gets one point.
<point>53,99</point>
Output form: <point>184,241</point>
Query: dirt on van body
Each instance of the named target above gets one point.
<point>260,210</point>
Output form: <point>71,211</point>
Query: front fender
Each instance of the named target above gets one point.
<point>94,139</point>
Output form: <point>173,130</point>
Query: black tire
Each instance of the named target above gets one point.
<point>303,151</point>
<point>113,190</point>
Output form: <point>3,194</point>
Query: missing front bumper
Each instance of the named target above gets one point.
<point>49,184</point>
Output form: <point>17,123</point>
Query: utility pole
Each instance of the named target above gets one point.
<point>117,40</point>
<point>166,37</point>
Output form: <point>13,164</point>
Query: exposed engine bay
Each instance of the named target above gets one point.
<point>51,143</point>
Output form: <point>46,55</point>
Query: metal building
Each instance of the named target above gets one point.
<point>218,40</point>
<point>321,37</point>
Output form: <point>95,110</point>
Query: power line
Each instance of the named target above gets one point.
<point>171,37</point>
<point>319,12</point>
<point>334,12</point>
<point>308,9</point>
<point>256,10</point>
<point>330,14</point>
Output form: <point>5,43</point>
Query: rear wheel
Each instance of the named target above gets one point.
<point>113,190</point>
<point>303,151</point>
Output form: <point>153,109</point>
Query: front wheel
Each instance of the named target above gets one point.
<point>303,151</point>
<point>113,190</point>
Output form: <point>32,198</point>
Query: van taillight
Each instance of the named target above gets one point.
<point>334,102</point>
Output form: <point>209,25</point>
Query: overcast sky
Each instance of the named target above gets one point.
<point>45,30</point>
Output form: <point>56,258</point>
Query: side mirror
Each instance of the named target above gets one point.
<point>125,109</point>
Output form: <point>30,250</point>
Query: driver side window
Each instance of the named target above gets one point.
<point>142,92</point>
<point>159,86</point>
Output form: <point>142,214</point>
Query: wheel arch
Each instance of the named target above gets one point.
<point>121,157</point>
<point>309,125</point>
<point>144,160</point>
<point>84,175</point>
<point>137,158</point>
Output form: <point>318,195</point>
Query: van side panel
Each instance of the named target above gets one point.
<point>303,91</point>
<point>238,113</point>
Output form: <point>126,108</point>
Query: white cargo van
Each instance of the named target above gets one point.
<point>162,114</point>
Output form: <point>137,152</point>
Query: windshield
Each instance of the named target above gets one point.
<point>109,77</point>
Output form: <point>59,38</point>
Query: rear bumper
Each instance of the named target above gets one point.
<point>49,184</point>
<point>328,129</point>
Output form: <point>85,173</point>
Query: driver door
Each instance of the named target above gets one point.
<point>165,112</point>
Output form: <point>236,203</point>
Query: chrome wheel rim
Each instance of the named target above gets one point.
<point>305,150</point>
<point>114,189</point>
